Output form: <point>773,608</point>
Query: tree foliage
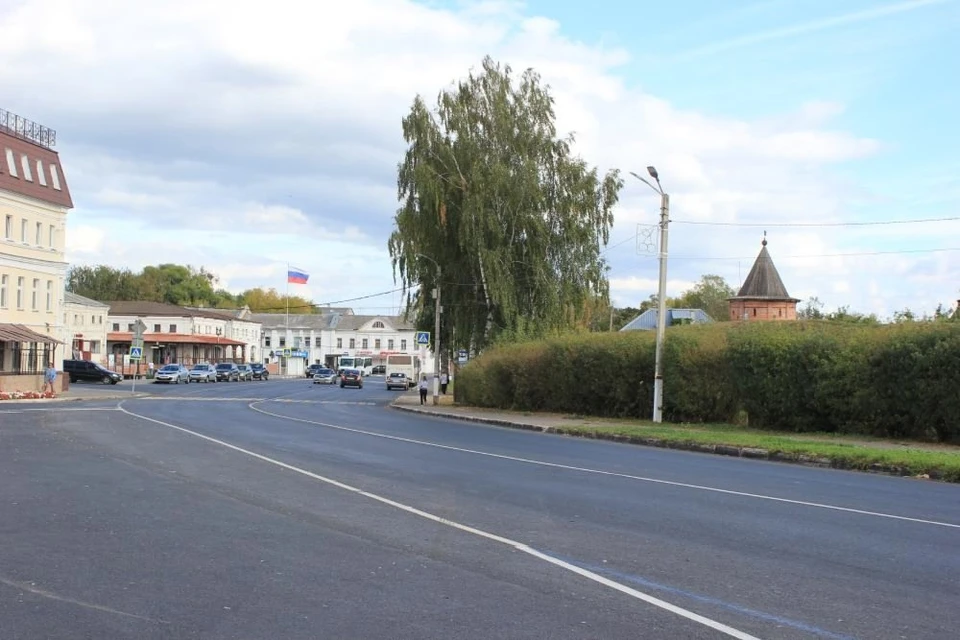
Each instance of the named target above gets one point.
<point>514,220</point>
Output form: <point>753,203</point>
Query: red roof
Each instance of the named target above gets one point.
<point>175,338</point>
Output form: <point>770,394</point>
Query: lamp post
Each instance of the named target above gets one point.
<point>219,333</point>
<point>436,334</point>
<point>662,294</point>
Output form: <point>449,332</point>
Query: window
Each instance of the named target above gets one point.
<point>266,341</point>
<point>49,295</point>
<point>156,328</point>
<point>99,319</point>
<point>41,176</point>
<point>39,235</point>
<point>306,342</point>
<point>11,163</point>
<point>53,236</point>
<point>8,228</point>
<point>33,294</point>
<point>376,343</point>
<point>173,328</point>
<point>283,342</point>
<point>93,319</point>
<point>25,163</point>
<point>339,343</point>
<point>403,345</point>
<point>55,177</point>
<point>364,343</point>
<point>353,343</point>
<point>130,327</point>
<point>378,325</point>
<point>390,344</point>
<point>23,230</point>
<point>296,342</point>
<point>20,281</point>
<point>94,346</point>
<point>4,279</point>
<point>116,326</point>
<point>754,313</point>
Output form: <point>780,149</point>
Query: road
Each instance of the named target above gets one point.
<point>282,509</point>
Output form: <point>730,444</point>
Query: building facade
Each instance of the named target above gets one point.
<point>34,201</point>
<point>84,329</point>
<point>763,296</point>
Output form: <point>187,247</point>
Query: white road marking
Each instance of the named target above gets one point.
<point>59,410</point>
<point>556,465</point>
<point>518,546</point>
<point>254,400</point>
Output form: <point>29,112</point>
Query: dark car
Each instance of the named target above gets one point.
<point>378,370</point>
<point>312,369</point>
<point>246,373</point>
<point>228,371</point>
<point>87,371</point>
<point>259,371</point>
<point>351,378</point>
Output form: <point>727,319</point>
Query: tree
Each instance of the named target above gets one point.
<point>513,219</point>
<point>811,310</point>
<point>711,294</point>
<point>262,300</point>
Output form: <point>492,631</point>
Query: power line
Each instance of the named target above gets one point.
<point>815,224</point>
<point>821,255</point>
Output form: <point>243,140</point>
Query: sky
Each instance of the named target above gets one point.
<point>245,137</point>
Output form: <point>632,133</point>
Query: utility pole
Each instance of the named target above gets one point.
<point>436,343</point>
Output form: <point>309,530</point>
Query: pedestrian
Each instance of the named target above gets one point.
<point>444,380</point>
<point>423,390</point>
<point>49,377</point>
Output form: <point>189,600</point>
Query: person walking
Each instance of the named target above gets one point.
<point>49,378</point>
<point>444,380</point>
<point>423,390</point>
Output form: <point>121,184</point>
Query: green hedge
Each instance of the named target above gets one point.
<point>889,381</point>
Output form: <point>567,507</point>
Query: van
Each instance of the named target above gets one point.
<point>87,371</point>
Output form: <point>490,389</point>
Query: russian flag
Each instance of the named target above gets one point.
<point>297,276</point>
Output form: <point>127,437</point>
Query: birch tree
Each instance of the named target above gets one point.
<point>515,220</point>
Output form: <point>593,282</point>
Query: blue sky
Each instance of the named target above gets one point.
<point>208,132</point>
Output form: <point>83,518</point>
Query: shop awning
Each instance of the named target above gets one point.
<point>20,333</point>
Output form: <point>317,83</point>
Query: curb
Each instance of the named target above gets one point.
<point>715,449</point>
<point>72,399</point>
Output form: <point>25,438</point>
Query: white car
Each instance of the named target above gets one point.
<point>172,373</point>
<point>399,380</point>
<point>203,373</point>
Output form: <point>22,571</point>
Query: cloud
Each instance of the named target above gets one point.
<point>216,133</point>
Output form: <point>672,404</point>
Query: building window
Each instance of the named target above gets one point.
<point>130,327</point>
<point>376,343</point>
<point>4,279</point>
<point>403,345</point>
<point>93,319</point>
<point>39,237</point>
<point>116,326</point>
<point>33,294</point>
<point>173,328</point>
<point>306,342</point>
<point>49,295</point>
<point>339,343</point>
<point>94,346</point>
<point>41,176</point>
<point>25,163</point>
<point>364,343</point>
<point>353,343</point>
<point>266,341</point>
<point>283,342</point>
<point>8,228</point>
<point>390,344</point>
<point>20,281</point>
<point>11,163</point>
<point>754,313</point>
<point>378,325</point>
<point>23,231</point>
<point>53,236</point>
<point>55,177</point>
<point>296,342</point>
<point>156,328</point>
<point>99,319</point>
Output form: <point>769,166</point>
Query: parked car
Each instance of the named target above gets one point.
<point>397,379</point>
<point>203,373</point>
<point>378,370</point>
<point>351,378</point>
<point>312,369</point>
<point>87,371</point>
<point>172,373</point>
<point>325,376</point>
<point>246,373</point>
<point>228,371</point>
<point>259,371</point>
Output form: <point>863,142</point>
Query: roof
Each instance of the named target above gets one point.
<point>42,184</point>
<point>20,333</point>
<point>175,338</point>
<point>296,320</point>
<point>355,323</point>
<point>138,308</point>
<point>72,298</point>
<point>763,282</point>
<point>647,320</point>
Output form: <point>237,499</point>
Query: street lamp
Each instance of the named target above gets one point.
<point>436,335</point>
<point>662,295</point>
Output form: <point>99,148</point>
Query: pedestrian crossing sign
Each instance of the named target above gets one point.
<point>423,337</point>
<point>136,353</point>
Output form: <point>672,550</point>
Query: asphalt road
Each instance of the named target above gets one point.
<point>283,509</point>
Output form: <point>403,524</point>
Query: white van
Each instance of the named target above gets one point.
<point>408,365</point>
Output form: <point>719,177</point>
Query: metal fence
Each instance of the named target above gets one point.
<point>19,360</point>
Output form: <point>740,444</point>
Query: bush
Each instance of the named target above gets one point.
<point>890,381</point>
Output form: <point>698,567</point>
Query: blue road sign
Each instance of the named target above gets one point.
<point>423,337</point>
<point>136,353</point>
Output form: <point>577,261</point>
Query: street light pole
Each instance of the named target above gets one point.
<point>662,292</point>
<point>436,333</point>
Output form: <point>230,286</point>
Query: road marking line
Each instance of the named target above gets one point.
<point>57,409</point>
<point>519,546</point>
<point>557,465</point>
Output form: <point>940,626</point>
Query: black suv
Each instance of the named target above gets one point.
<point>259,371</point>
<point>228,371</point>
<point>88,371</point>
<point>313,368</point>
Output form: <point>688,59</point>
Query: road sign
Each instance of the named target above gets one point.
<point>423,337</point>
<point>136,353</point>
<point>462,356</point>
<point>138,328</point>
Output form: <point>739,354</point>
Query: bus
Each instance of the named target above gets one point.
<point>364,364</point>
<point>403,363</point>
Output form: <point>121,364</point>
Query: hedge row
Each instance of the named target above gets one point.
<point>889,381</point>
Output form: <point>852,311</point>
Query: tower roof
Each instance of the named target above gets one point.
<point>763,282</point>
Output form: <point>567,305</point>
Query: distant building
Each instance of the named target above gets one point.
<point>84,329</point>
<point>34,201</point>
<point>763,295</point>
<point>647,321</point>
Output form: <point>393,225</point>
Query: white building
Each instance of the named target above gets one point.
<point>84,328</point>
